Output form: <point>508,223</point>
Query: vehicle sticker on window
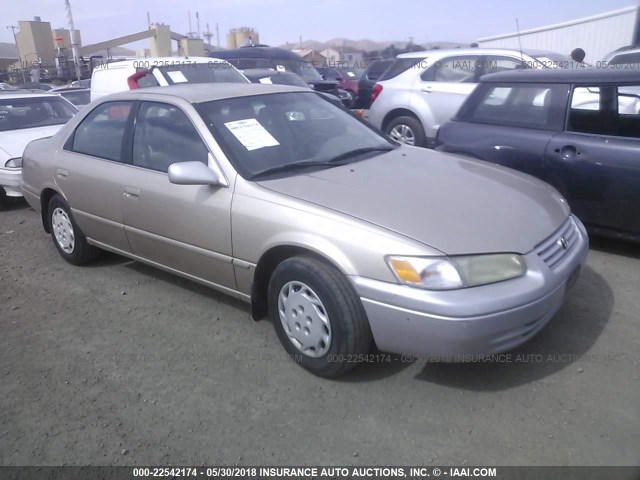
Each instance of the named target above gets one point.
<point>266,80</point>
<point>251,134</point>
<point>177,76</point>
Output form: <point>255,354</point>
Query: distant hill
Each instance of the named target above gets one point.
<point>366,45</point>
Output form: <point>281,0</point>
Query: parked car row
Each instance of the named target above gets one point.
<point>342,236</point>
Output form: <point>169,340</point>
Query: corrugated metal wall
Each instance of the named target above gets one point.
<point>597,35</point>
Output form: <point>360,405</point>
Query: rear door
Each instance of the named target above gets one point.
<point>186,228</point>
<point>91,170</point>
<point>595,161</point>
<point>446,84</point>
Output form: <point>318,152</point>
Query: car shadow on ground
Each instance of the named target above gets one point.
<point>11,204</point>
<point>567,337</point>
<point>615,246</point>
<point>186,284</point>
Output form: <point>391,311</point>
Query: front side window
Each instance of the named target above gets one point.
<point>538,106</point>
<point>102,132</point>
<point>21,113</point>
<point>605,110</point>
<point>277,131</point>
<point>165,135</point>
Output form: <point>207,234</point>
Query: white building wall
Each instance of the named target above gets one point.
<point>597,35</point>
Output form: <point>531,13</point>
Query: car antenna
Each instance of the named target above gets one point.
<point>519,41</point>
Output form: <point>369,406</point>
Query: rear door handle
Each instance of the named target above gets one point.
<point>131,192</point>
<point>567,152</point>
<point>61,173</point>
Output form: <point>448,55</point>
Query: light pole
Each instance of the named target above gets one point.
<point>15,39</point>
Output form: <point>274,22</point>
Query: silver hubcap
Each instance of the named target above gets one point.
<point>404,134</point>
<point>63,230</point>
<point>304,319</point>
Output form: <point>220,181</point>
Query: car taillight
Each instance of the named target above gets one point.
<point>375,91</point>
<point>132,81</point>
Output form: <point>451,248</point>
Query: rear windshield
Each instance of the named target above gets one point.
<point>212,72</point>
<point>626,59</point>
<point>20,113</point>
<point>377,68</point>
<point>399,66</point>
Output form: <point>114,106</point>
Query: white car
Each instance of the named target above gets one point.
<point>24,117</point>
<point>125,75</point>
<point>422,90</point>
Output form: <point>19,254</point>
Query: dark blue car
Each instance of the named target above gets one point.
<point>578,130</point>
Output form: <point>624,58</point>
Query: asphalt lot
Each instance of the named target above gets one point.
<point>118,364</point>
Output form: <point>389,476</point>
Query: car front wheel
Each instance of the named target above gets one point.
<point>67,236</point>
<point>318,317</point>
<point>407,130</point>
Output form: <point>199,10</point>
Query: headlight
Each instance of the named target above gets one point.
<point>14,163</point>
<point>448,273</point>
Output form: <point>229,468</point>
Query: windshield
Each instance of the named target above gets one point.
<point>20,113</point>
<point>212,72</point>
<point>264,132</point>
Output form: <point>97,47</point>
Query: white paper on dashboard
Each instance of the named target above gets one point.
<point>351,74</point>
<point>266,80</point>
<point>280,68</point>
<point>251,134</point>
<point>177,76</point>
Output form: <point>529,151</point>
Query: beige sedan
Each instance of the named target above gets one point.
<point>342,237</point>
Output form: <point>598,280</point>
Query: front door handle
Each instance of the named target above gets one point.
<point>61,173</point>
<point>568,152</point>
<point>131,192</point>
<point>427,89</point>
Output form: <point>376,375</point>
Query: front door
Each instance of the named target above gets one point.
<point>596,160</point>
<point>186,228</point>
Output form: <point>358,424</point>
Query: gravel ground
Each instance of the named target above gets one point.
<point>121,364</point>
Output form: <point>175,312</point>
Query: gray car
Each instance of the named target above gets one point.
<point>422,90</point>
<point>344,239</point>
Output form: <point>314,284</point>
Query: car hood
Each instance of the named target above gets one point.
<point>13,142</point>
<point>448,202</point>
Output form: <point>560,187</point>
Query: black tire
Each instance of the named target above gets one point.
<point>350,332</point>
<point>82,252</point>
<point>414,126</point>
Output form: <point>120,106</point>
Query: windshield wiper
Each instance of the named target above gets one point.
<point>291,167</point>
<point>333,162</point>
<point>357,152</point>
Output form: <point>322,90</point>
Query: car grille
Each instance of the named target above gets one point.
<point>555,248</point>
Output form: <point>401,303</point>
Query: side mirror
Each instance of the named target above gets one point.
<point>193,173</point>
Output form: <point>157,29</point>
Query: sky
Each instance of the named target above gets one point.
<point>280,21</point>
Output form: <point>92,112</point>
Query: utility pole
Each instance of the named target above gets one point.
<point>217,36</point>
<point>15,39</point>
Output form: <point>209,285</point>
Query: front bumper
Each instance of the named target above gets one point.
<point>455,324</point>
<point>11,181</point>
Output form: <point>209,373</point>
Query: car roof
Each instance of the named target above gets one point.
<point>207,92</point>
<point>460,51</point>
<point>258,52</point>
<point>24,94</point>
<point>163,61</point>
<point>563,75</point>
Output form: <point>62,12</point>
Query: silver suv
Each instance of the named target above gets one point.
<point>422,90</point>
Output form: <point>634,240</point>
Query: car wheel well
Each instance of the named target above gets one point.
<point>393,114</point>
<point>265,267</point>
<point>45,197</point>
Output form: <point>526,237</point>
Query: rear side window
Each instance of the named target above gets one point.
<point>539,106</point>
<point>102,132</point>
<point>165,135</point>
<point>454,70</point>
<point>399,66</point>
<point>605,110</point>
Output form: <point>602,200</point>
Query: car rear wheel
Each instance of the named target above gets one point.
<point>318,317</point>
<point>67,236</point>
<point>407,130</point>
